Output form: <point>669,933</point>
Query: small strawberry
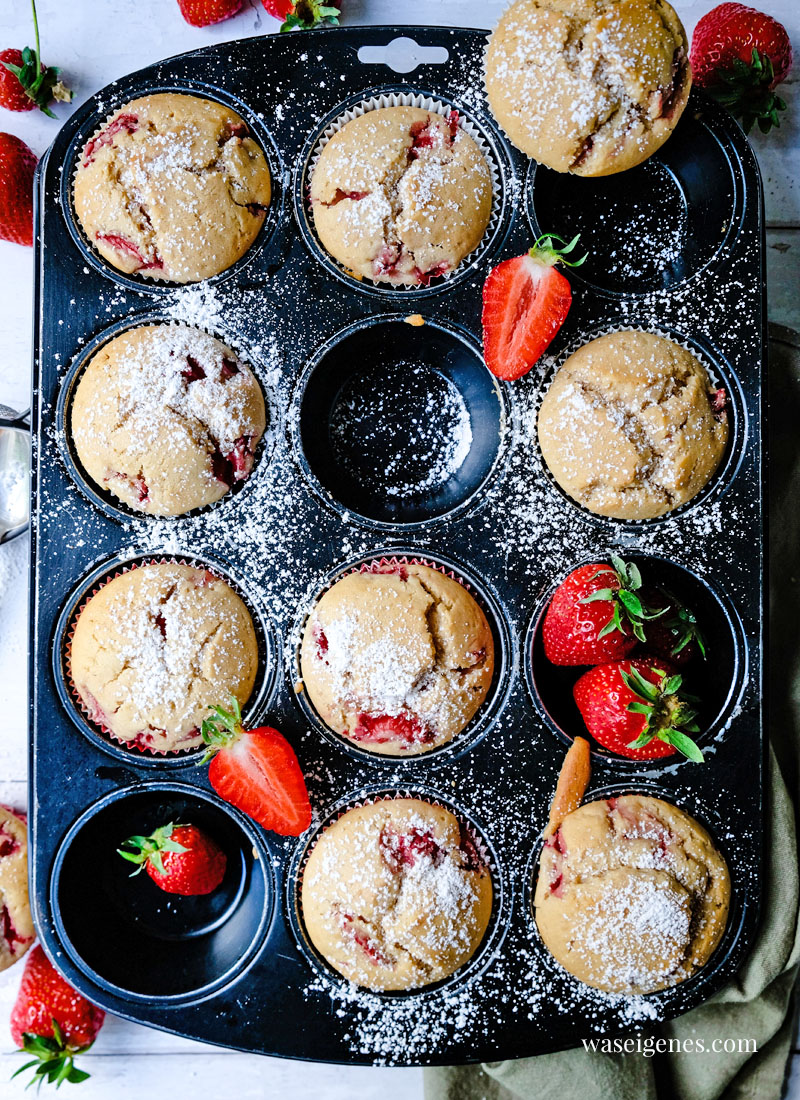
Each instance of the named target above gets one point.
<point>52,1021</point>
<point>256,771</point>
<point>739,55</point>
<point>181,859</point>
<point>304,14</point>
<point>676,636</point>
<point>636,708</point>
<point>525,303</point>
<point>596,615</point>
<point>202,13</point>
<point>17,164</point>
<point>26,83</point>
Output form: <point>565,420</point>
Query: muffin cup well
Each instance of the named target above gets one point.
<point>723,676</point>
<point>481,133</point>
<point>372,443</point>
<point>97,121</point>
<point>106,501</point>
<point>99,735</point>
<point>505,657</point>
<point>501,894</point>
<point>138,941</point>
<point>719,372</point>
<point>684,995</point>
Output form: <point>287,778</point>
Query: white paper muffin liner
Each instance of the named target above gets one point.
<point>426,103</point>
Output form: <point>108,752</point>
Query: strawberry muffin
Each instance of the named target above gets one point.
<point>631,426</point>
<point>594,87</point>
<point>398,661</point>
<point>16,926</point>
<point>395,895</point>
<point>167,418</point>
<point>632,895</point>
<point>401,195</point>
<point>172,187</point>
<point>155,647</point>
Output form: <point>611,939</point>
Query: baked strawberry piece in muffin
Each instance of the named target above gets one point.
<point>173,187</point>
<point>401,195</point>
<point>397,661</point>
<point>16,926</point>
<point>167,418</point>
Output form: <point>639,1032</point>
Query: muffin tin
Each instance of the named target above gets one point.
<point>236,969</point>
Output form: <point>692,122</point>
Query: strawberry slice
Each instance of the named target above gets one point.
<point>525,303</point>
<point>256,771</point>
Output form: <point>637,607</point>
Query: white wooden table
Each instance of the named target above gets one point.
<point>94,42</point>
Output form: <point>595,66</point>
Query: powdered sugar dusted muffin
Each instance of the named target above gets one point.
<point>631,426</point>
<point>167,418</point>
<point>401,195</point>
<point>155,647</point>
<point>16,926</point>
<point>398,661</point>
<point>632,895</point>
<point>395,895</point>
<point>593,87</point>
<point>172,187</point>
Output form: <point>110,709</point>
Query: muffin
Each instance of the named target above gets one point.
<point>167,419</point>
<point>395,895</point>
<point>16,926</point>
<point>632,896</point>
<point>155,647</point>
<point>172,187</point>
<point>397,661</point>
<point>401,195</point>
<point>591,88</point>
<point>631,426</point>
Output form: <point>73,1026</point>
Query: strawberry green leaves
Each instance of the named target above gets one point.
<point>625,600</point>
<point>668,715</point>
<point>52,1059</point>
<point>143,849</point>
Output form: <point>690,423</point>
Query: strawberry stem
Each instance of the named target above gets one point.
<point>624,597</point>
<point>52,1058</point>
<point>223,729</point>
<point>148,849</point>
<point>665,710</point>
<point>36,35</point>
<point>547,252</point>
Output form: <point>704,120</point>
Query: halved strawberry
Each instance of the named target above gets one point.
<point>256,771</point>
<point>525,303</point>
<point>636,708</point>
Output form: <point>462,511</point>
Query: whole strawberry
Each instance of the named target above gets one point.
<point>17,164</point>
<point>52,1022</point>
<point>740,55</point>
<point>676,636</point>
<point>303,14</point>
<point>596,614</point>
<point>636,708</point>
<point>202,13</point>
<point>25,83</point>
<point>181,859</point>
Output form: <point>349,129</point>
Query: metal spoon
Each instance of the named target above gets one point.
<point>15,457</point>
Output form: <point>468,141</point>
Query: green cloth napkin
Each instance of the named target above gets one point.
<point>759,1003</point>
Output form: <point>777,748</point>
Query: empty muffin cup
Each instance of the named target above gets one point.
<point>657,224</point>
<point>127,935</point>
<point>717,681</point>
<point>397,423</point>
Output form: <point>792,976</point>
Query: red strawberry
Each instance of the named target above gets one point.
<point>52,1021</point>
<point>25,82</point>
<point>202,13</point>
<point>525,302</point>
<point>595,615</point>
<point>740,56</point>
<point>635,708</point>
<point>256,771</point>
<point>304,14</point>
<point>17,163</point>
<point>181,859</point>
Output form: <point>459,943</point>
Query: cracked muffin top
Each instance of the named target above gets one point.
<point>631,426</point>
<point>155,647</point>
<point>401,195</point>
<point>167,418</point>
<point>16,925</point>
<point>591,87</point>
<point>398,660</point>
<point>632,896</point>
<point>395,894</point>
<point>172,187</point>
